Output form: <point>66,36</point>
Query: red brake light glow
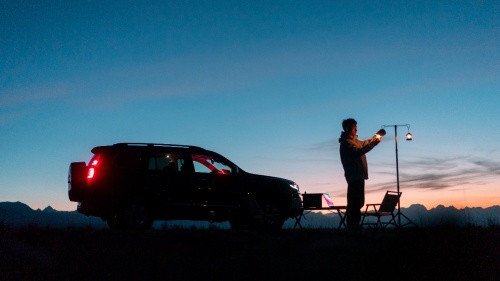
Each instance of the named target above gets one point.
<point>91,172</point>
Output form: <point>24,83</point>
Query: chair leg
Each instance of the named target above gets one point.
<point>379,223</point>
<point>297,221</point>
<point>392,221</point>
<point>342,220</point>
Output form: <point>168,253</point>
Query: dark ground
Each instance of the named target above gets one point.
<point>312,254</point>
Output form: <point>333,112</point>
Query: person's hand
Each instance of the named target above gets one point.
<point>376,138</point>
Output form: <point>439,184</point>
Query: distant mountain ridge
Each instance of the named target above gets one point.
<point>18,214</point>
<point>438,216</point>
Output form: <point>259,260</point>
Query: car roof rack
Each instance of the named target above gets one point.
<point>157,145</point>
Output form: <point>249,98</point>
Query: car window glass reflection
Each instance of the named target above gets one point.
<point>208,164</point>
<point>165,162</point>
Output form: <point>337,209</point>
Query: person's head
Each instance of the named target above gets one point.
<point>350,126</point>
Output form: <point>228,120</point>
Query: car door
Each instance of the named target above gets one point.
<point>165,176</point>
<point>129,175</point>
<point>214,182</point>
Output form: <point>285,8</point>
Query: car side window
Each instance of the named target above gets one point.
<point>164,161</point>
<point>209,164</point>
<point>130,159</point>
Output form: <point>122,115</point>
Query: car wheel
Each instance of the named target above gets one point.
<point>271,217</point>
<point>134,216</point>
<point>241,223</point>
<point>114,221</point>
<point>137,216</point>
<point>248,216</point>
<point>256,215</point>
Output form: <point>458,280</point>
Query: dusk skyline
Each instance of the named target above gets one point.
<point>266,84</point>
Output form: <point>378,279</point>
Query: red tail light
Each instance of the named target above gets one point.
<point>92,170</point>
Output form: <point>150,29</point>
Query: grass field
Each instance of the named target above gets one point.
<point>214,254</point>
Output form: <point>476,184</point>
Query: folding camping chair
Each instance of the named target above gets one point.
<point>386,208</point>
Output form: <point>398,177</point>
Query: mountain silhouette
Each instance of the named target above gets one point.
<point>419,214</point>
<point>18,214</point>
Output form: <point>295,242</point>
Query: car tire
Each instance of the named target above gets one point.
<point>248,215</point>
<point>134,216</point>
<point>267,217</point>
<point>114,221</point>
<point>272,218</point>
<point>240,223</point>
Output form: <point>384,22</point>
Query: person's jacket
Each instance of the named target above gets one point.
<point>353,158</point>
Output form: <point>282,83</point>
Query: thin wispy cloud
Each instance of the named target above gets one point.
<point>19,102</point>
<point>33,93</point>
<point>325,146</point>
<point>7,116</point>
<point>426,173</point>
<point>445,173</point>
<point>194,75</point>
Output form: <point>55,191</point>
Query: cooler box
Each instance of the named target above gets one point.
<point>312,200</point>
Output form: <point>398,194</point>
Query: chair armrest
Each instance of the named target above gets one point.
<point>374,207</point>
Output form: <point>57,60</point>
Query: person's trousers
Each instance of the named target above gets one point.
<point>355,201</point>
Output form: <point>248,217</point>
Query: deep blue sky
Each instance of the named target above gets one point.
<point>265,83</point>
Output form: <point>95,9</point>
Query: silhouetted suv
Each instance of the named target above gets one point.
<point>130,185</point>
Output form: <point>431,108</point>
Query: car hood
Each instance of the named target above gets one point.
<point>270,179</point>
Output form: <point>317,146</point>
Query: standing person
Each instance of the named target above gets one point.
<point>352,155</point>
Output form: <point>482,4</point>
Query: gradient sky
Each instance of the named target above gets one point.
<point>265,83</point>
